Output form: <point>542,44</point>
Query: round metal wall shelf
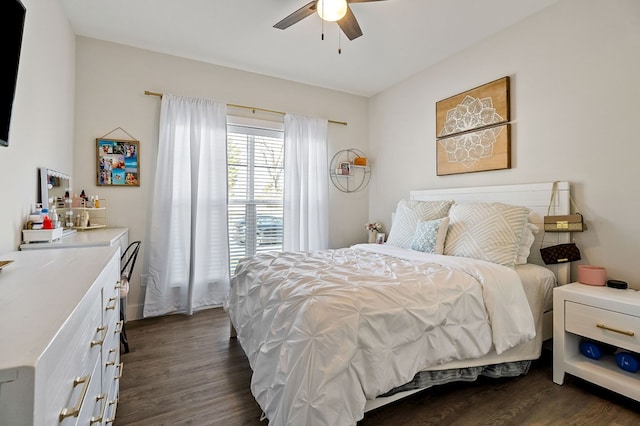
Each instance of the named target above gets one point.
<point>345,174</point>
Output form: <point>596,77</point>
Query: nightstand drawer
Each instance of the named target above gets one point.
<point>615,328</point>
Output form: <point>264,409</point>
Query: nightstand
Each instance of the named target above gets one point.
<point>602,314</point>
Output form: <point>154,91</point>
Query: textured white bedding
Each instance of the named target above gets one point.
<point>538,283</point>
<point>325,331</point>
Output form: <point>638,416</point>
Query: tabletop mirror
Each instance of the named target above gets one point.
<point>53,185</point>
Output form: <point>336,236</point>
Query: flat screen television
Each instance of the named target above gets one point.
<point>12,13</point>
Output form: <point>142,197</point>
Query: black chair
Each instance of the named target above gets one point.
<point>127,262</point>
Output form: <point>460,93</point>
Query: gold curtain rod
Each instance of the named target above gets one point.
<point>344,123</point>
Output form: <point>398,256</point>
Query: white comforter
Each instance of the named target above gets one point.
<point>326,330</point>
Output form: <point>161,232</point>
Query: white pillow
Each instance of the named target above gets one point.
<point>486,231</point>
<point>408,214</point>
<point>526,241</point>
<point>430,236</point>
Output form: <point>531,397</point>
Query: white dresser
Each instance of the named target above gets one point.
<point>92,238</point>
<point>60,337</point>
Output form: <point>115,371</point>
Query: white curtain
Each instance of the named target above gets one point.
<point>306,183</point>
<point>189,252</point>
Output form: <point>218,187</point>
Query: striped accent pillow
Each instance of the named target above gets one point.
<point>409,213</point>
<point>486,231</point>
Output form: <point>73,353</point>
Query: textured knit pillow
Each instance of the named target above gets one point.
<point>486,231</point>
<point>526,241</point>
<point>408,214</point>
<point>430,236</point>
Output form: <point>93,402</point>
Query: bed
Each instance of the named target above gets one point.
<point>332,334</point>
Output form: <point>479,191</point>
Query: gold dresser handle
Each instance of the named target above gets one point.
<point>111,419</point>
<point>103,330</point>
<point>73,412</point>
<point>110,363</point>
<point>615,330</point>
<point>119,376</point>
<point>109,307</point>
<point>103,399</point>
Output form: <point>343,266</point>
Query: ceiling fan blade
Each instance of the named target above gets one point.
<point>349,25</point>
<point>298,15</point>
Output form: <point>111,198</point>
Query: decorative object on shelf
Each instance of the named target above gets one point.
<point>360,161</point>
<point>373,228</point>
<point>346,174</point>
<point>118,161</point>
<point>86,217</point>
<point>592,275</point>
<point>380,238</point>
<point>472,130</point>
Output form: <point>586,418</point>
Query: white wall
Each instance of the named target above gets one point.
<point>575,86</point>
<point>110,84</point>
<point>41,131</point>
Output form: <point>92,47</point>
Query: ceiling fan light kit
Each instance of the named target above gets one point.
<point>328,10</point>
<point>332,10</point>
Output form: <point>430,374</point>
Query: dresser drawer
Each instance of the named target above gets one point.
<point>615,328</point>
<point>69,364</point>
<point>110,293</point>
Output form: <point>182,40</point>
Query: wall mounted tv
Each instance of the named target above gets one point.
<point>12,13</point>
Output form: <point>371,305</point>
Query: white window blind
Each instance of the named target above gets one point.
<point>255,170</point>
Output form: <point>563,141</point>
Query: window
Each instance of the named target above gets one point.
<point>255,176</point>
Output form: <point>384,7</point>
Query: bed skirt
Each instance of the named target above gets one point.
<point>425,379</point>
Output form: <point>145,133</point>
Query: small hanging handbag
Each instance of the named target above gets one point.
<point>560,253</point>
<point>566,252</point>
<point>563,223</point>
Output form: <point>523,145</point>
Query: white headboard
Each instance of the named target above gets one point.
<point>535,196</point>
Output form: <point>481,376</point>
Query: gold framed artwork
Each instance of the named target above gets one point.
<point>118,162</point>
<point>472,130</point>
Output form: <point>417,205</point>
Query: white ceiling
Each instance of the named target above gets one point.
<point>401,37</point>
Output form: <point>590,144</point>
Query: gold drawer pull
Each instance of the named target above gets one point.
<point>110,363</point>
<point>604,327</point>
<point>111,419</point>
<point>103,330</point>
<point>73,412</point>
<point>109,307</point>
<point>119,326</point>
<point>119,376</point>
<point>102,397</point>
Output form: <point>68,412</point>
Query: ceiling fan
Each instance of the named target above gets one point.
<point>329,10</point>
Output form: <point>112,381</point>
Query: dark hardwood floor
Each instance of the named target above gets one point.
<point>186,371</point>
